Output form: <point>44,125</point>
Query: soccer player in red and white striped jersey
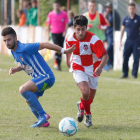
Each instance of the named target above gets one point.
<point>88,60</point>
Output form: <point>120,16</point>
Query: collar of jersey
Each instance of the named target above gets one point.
<point>19,48</point>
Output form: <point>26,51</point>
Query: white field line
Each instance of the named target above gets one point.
<point>120,80</point>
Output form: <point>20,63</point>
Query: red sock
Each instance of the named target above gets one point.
<point>86,105</point>
<point>81,106</point>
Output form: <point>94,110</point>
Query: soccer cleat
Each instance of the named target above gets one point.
<point>88,120</point>
<point>80,114</point>
<point>46,124</point>
<point>42,119</point>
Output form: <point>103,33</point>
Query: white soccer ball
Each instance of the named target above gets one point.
<point>68,126</point>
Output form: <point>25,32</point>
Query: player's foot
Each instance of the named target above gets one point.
<point>80,114</point>
<point>88,120</point>
<point>46,124</point>
<point>42,119</point>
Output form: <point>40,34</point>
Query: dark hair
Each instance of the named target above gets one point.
<point>132,4</point>
<point>8,31</point>
<point>56,2</point>
<point>80,20</point>
<point>92,1</point>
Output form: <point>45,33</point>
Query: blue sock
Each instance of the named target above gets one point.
<point>33,101</point>
<point>34,112</point>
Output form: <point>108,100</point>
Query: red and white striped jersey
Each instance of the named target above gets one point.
<point>88,53</point>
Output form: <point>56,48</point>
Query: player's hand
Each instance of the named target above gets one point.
<point>71,49</point>
<point>64,33</point>
<point>98,71</point>
<point>12,71</point>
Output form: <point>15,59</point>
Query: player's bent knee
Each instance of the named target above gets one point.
<point>21,89</point>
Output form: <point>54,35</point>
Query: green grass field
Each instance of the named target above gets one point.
<point>115,110</point>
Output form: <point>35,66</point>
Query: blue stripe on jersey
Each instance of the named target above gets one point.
<point>33,65</point>
<point>36,65</point>
<point>34,56</point>
<point>35,74</point>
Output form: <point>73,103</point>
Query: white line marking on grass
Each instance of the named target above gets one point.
<point>3,69</point>
<point>120,80</point>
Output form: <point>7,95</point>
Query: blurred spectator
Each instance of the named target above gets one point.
<point>109,35</point>
<point>57,21</point>
<point>33,20</point>
<point>131,24</point>
<point>29,13</point>
<point>70,18</point>
<point>96,21</point>
<point>25,3</point>
<point>22,18</point>
<point>63,8</point>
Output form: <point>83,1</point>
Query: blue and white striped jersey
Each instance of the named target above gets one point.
<point>30,60</point>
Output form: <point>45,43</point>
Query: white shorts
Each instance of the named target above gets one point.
<point>80,76</point>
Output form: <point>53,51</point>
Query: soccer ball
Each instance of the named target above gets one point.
<point>68,126</point>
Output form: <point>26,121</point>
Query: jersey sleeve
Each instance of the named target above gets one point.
<point>98,48</point>
<point>31,48</point>
<point>102,20</point>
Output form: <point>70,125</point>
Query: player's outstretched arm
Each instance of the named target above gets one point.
<point>14,70</point>
<point>57,48</point>
<point>102,64</point>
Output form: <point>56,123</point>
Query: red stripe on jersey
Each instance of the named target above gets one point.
<point>98,49</point>
<point>86,60</point>
<point>77,67</point>
<point>96,64</point>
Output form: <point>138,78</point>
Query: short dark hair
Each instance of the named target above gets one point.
<point>8,31</point>
<point>92,1</point>
<point>132,4</point>
<point>56,2</point>
<point>80,20</point>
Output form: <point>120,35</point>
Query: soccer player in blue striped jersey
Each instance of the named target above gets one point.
<point>33,64</point>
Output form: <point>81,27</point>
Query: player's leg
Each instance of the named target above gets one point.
<point>43,82</point>
<point>92,94</point>
<point>86,101</point>
<point>55,41</point>
<point>136,56</point>
<point>93,84</point>
<point>80,76</point>
<point>126,54</point>
<point>61,41</point>
<point>28,91</point>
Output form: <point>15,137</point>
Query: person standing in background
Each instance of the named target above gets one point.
<point>70,18</point>
<point>25,3</point>
<point>57,22</point>
<point>29,13</point>
<point>22,18</point>
<point>131,24</point>
<point>33,20</point>
<point>108,15</point>
<point>96,21</point>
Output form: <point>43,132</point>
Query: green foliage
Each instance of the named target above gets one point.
<point>45,8</point>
